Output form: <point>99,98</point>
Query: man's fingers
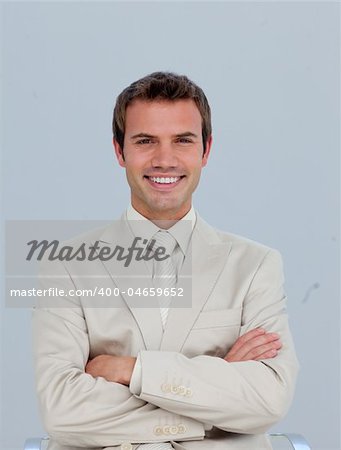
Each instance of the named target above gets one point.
<point>242,340</point>
<point>249,344</point>
<point>267,355</point>
<point>253,344</point>
<point>270,348</point>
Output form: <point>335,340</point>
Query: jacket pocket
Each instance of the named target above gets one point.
<point>214,333</point>
<point>218,318</point>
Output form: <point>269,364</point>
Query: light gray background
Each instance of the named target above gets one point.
<point>271,73</point>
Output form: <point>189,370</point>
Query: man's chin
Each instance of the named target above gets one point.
<point>166,209</point>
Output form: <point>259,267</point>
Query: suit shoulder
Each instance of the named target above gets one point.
<point>236,239</point>
<point>238,242</point>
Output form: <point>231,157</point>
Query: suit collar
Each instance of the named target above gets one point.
<point>181,230</point>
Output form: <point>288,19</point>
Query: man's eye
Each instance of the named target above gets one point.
<point>185,140</point>
<point>144,141</point>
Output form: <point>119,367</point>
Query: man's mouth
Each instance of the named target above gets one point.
<point>164,181</point>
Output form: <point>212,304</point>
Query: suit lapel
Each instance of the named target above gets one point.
<point>128,279</point>
<point>204,263</point>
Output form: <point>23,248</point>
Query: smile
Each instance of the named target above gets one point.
<point>164,180</point>
<point>164,183</point>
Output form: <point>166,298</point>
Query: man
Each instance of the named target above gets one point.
<point>213,369</point>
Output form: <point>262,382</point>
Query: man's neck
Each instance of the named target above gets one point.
<point>164,224</point>
<point>165,220</point>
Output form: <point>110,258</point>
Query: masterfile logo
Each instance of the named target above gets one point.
<point>140,249</point>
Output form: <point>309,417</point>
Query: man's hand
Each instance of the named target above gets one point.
<point>254,345</point>
<point>117,369</point>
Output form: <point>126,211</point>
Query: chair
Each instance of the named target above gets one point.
<point>288,441</point>
<point>279,441</point>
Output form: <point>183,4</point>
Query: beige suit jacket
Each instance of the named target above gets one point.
<point>189,396</point>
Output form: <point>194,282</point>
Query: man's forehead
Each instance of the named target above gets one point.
<point>163,114</point>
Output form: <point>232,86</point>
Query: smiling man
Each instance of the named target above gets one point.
<point>214,367</point>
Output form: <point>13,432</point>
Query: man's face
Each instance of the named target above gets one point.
<point>163,156</point>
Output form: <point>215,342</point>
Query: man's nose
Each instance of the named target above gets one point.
<point>164,156</point>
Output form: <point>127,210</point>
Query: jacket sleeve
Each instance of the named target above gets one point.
<point>77,409</point>
<point>241,397</point>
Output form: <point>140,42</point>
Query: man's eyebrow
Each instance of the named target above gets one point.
<point>187,134</point>
<point>142,135</point>
<point>150,136</point>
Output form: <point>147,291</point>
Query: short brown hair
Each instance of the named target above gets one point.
<point>161,86</point>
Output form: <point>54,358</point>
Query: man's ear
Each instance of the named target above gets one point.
<point>207,151</point>
<point>119,153</point>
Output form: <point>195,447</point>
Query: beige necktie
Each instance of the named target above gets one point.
<point>164,273</point>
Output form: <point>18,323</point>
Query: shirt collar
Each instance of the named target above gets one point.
<point>181,230</point>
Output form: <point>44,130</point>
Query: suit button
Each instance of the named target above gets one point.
<point>174,389</point>
<point>126,446</point>
<point>158,431</point>
<point>165,430</point>
<point>181,390</point>
<point>181,428</point>
<point>189,392</point>
<point>173,429</point>
<point>165,387</point>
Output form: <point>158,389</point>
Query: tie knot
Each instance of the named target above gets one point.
<point>166,240</point>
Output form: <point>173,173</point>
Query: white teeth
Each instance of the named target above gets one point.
<point>167,180</point>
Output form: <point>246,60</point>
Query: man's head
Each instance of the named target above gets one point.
<point>162,137</point>
<point>161,86</point>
